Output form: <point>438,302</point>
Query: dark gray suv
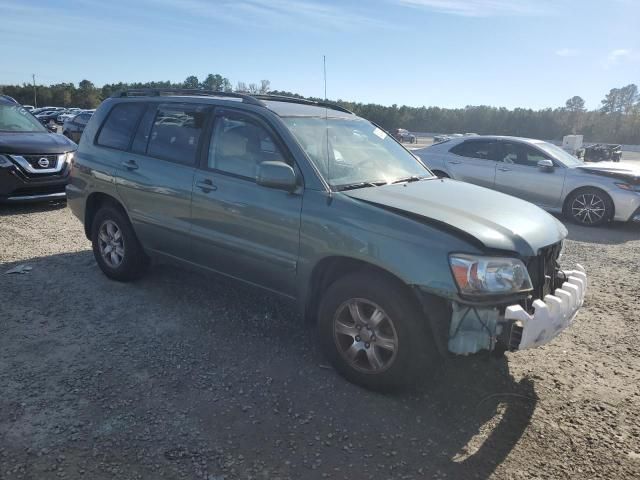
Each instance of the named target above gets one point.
<point>305,199</point>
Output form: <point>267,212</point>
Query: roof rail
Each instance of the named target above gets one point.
<point>157,92</point>
<point>284,98</point>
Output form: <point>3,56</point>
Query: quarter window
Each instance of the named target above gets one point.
<point>476,149</point>
<point>239,146</point>
<point>118,128</point>
<point>176,133</point>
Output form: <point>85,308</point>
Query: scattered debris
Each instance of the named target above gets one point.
<point>19,269</point>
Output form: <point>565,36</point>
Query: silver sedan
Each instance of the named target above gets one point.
<point>542,173</point>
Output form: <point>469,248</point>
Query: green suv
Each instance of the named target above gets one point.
<point>398,268</point>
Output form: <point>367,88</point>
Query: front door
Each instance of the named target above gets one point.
<point>518,174</point>
<point>240,228</point>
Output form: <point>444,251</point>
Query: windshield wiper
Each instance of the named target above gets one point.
<point>353,186</point>
<point>412,178</point>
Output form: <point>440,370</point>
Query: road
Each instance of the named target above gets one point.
<point>183,375</point>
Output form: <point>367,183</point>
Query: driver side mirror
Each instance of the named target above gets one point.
<point>546,165</point>
<point>277,175</point>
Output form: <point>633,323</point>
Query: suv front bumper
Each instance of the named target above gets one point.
<point>551,315</point>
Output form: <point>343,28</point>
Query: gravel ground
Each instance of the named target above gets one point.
<point>182,375</point>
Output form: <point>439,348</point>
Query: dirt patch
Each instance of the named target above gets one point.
<point>182,375</point>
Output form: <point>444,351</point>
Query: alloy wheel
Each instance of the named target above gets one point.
<point>111,243</point>
<point>588,208</point>
<point>365,335</point>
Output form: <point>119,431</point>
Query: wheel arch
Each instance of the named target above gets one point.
<point>94,202</point>
<point>329,269</point>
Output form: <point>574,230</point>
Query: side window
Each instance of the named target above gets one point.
<point>519,154</point>
<point>239,145</point>
<point>176,132</point>
<point>475,149</point>
<point>141,139</point>
<point>117,130</point>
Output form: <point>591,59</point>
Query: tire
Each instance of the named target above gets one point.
<point>590,207</point>
<point>125,260</point>
<point>383,357</point>
<point>440,174</point>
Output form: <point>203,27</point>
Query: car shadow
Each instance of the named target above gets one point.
<point>7,209</point>
<point>196,365</point>
<point>612,234</point>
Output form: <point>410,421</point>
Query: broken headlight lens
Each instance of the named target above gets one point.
<point>477,275</point>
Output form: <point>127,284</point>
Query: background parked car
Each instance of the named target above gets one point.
<point>541,173</point>
<point>403,135</point>
<point>601,152</point>
<point>47,116</point>
<point>66,114</point>
<point>34,164</point>
<point>73,127</point>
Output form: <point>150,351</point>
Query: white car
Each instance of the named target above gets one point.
<point>542,173</point>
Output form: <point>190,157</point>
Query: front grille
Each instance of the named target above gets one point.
<point>543,269</point>
<point>34,161</point>
<point>38,190</point>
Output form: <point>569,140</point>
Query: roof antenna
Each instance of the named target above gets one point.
<point>326,120</point>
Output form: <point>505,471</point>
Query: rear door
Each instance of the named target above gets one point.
<point>518,174</point>
<point>240,228</point>
<point>473,161</point>
<point>155,174</point>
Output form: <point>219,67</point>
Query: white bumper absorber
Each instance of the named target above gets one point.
<point>552,315</point>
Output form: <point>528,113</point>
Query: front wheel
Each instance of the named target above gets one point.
<point>373,332</point>
<point>589,206</point>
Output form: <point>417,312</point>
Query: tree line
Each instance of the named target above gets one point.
<point>617,121</point>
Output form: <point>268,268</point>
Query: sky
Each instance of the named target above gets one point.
<point>446,53</point>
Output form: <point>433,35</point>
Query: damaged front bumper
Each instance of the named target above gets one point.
<point>551,315</point>
<point>473,328</point>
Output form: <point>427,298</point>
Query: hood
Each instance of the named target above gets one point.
<point>621,170</point>
<point>496,220</point>
<point>34,143</point>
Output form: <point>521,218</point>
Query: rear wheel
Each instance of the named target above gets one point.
<point>589,206</point>
<point>115,245</point>
<point>373,332</point>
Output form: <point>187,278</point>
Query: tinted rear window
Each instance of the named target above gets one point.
<point>176,133</point>
<point>481,149</point>
<point>120,124</point>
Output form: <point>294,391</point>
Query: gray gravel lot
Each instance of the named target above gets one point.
<point>183,375</point>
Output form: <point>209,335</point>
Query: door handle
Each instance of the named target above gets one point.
<point>206,185</point>
<point>503,169</point>
<point>130,165</point>
<point>454,162</point>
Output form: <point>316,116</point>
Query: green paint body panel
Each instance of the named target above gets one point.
<point>275,239</point>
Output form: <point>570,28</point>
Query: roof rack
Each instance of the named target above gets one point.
<point>157,92</point>
<point>284,98</point>
<point>250,99</point>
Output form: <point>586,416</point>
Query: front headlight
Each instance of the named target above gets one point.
<point>477,275</point>
<point>4,161</point>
